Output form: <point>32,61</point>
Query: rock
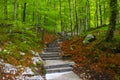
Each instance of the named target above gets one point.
<point>10,72</point>
<point>22,53</point>
<point>35,53</point>
<point>0,49</point>
<point>38,77</point>
<point>27,71</point>
<point>1,61</point>
<point>72,47</point>
<point>9,68</point>
<point>35,60</point>
<point>89,38</point>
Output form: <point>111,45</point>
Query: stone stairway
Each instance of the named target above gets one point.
<point>53,62</point>
<point>50,56</point>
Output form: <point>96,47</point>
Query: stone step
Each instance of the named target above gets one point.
<point>57,66</point>
<point>52,44</point>
<point>54,50</point>
<point>43,52</point>
<point>49,55</point>
<point>52,58</point>
<point>56,70</point>
<point>51,48</point>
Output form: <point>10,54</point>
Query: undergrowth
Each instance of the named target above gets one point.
<point>14,40</point>
<point>98,59</point>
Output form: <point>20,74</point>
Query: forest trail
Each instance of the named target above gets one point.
<point>56,68</point>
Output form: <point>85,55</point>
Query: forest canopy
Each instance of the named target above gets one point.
<point>57,15</point>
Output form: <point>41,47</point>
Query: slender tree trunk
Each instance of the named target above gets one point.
<point>88,13</point>
<point>15,9</point>
<point>37,17</point>
<point>76,17</point>
<point>87,17</point>
<point>96,13</point>
<point>33,17</point>
<point>81,24</point>
<point>118,17</point>
<point>84,22</point>
<point>55,26</point>
<point>111,30</point>
<point>15,13</point>
<point>5,10</point>
<point>61,22</point>
<point>104,13</point>
<point>84,19</point>
<point>70,10</point>
<point>24,12</point>
<point>100,13</point>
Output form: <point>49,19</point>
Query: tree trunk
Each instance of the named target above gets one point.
<point>61,22</point>
<point>96,13</point>
<point>15,9</point>
<point>33,16</point>
<point>5,10</point>
<point>104,12</point>
<point>84,19</point>
<point>55,24</point>
<point>100,13</point>
<point>24,12</point>
<point>111,30</point>
<point>76,17</point>
<point>88,13</point>
<point>70,10</point>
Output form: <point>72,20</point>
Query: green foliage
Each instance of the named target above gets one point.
<point>117,77</point>
<point>118,71</point>
<point>112,66</point>
<point>47,13</point>
<point>40,63</point>
<point>17,56</point>
<point>88,55</point>
<point>41,70</point>
<point>96,57</point>
<point>23,47</point>
<point>4,54</point>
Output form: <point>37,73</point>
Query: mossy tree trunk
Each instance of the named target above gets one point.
<point>112,25</point>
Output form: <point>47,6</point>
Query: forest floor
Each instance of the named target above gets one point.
<point>19,53</point>
<point>97,60</point>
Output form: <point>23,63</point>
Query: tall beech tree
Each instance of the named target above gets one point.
<point>112,25</point>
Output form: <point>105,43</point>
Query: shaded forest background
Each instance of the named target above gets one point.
<point>75,16</point>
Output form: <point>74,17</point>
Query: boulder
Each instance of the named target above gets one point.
<point>89,38</point>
